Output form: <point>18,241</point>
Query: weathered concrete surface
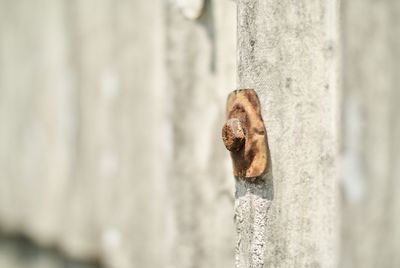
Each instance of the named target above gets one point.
<point>371,166</point>
<point>288,52</point>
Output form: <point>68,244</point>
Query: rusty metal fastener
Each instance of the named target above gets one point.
<point>233,135</point>
<point>244,135</point>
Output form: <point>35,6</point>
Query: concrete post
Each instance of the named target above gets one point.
<point>288,52</point>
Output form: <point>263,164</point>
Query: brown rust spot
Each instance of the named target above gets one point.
<point>244,135</point>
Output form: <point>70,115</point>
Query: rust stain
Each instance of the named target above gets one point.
<point>244,135</point>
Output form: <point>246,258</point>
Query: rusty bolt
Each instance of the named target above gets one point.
<point>245,136</point>
<point>233,135</point>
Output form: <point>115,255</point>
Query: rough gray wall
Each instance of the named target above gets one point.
<point>288,52</point>
<point>371,125</point>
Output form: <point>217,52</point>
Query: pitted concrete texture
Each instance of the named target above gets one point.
<point>288,52</point>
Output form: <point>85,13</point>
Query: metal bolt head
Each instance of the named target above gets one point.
<point>233,135</point>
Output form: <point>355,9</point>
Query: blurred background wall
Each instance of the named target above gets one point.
<point>370,134</point>
<point>110,118</point>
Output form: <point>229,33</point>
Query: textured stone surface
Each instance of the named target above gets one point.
<point>288,52</point>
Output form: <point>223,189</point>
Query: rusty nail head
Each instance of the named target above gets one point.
<point>233,135</point>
